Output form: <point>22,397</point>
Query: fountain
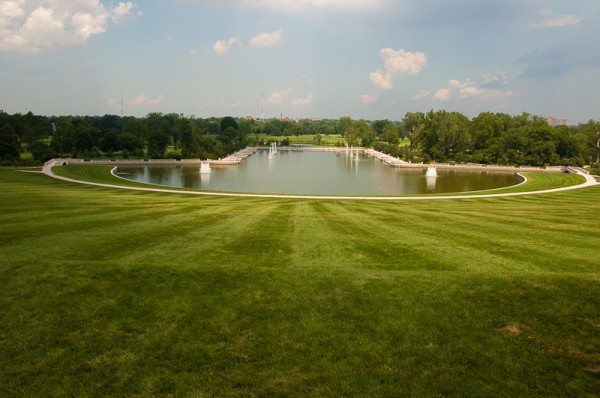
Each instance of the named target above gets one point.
<point>205,168</point>
<point>431,172</point>
<point>272,151</point>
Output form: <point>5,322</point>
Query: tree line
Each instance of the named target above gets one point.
<point>441,136</point>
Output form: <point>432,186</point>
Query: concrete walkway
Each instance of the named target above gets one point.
<point>589,181</point>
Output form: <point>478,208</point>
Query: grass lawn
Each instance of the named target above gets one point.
<point>306,139</point>
<point>114,292</point>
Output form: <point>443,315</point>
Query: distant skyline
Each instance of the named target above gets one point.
<point>371,59</point>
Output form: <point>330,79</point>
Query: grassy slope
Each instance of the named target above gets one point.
<point>113,292</point>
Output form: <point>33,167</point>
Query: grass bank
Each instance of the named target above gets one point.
<point>114,292</point>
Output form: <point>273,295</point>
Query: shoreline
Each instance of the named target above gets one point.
<point>47,170</point>
<point>238,157</point>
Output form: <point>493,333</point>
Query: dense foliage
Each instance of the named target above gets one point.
<point>489,138</point>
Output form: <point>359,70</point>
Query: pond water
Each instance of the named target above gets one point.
<point>318,173</point>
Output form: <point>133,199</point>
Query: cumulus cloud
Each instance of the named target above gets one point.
<point>123,11</point>
<point>442,94</point>
<point>397,64</point>
<point>222,47</point>
<point>304,101</point>
<point>369,98</point>
<point>422,94</point>
<point>558,22</point>
<point>267,39</point>
<point>277,97</point>
<point>295,6</point>
<point>142,100</point>
<point>467,89</point>
<point>11,9</point>
<point>37,25</point>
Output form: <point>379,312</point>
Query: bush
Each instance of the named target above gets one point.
<point>595,169</point>
<point>41,151</point>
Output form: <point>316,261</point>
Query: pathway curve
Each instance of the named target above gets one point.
<point>589,181</point>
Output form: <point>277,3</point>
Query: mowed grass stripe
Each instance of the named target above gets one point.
<point>441,244</point>
<point>301,297</point>
<point>99,221</point>
<point>445,235</point>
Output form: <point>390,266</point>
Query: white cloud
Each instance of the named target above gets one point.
<point>37,25</point>
<point>396,64</point>
<point>11,9</point>
<point>369,98</point>
<point>467,89</point>
<point>222,47</point>
<point>421,95</point>
<point>122,11</point>
<point>558,22</point>
<point>277,97</point>
<point>298,6</point>
<point>142,100</point>
<point>495,79</point>
<point>304,101</point>
<point>267,39</point>
<point>295,6</point>
<point>442,94</point>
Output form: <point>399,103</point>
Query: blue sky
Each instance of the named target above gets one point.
<point>369,59</point>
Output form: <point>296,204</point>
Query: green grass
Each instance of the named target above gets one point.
<point>307,139</point>
<point>114,292</point>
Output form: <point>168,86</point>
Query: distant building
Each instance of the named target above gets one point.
<point>557,122</point>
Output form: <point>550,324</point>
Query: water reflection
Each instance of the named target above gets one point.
<point>431,180</point>
<point>321,173</point>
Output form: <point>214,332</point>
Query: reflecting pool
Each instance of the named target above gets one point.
<point>319,173</point>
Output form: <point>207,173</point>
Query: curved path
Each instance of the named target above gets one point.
<point>589,181</point>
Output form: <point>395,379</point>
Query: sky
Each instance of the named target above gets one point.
<point>367,59</point>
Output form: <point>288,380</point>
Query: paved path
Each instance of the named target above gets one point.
<point>589,181</point>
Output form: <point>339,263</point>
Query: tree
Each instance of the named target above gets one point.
<point>63,140</point>
<point>317,139</point>
<point>10,147</point>
<point>390,134</point>
<point>109,142</point>
<point>365,132</point>
<point>413,124</point>
<point>130,142</point>
<point>188,140</point>
<point>590,141</point>
<point>228,121</point>
<point>445,135</point>
<point>136,127</point>
<point>567,147</point>
<point>33,127</point>
<point>158,141</point>
<point>380,125</point>
<point>344,125</point>
<point>487,131</point>
<point>40,151</point>
<point>352,135</point>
